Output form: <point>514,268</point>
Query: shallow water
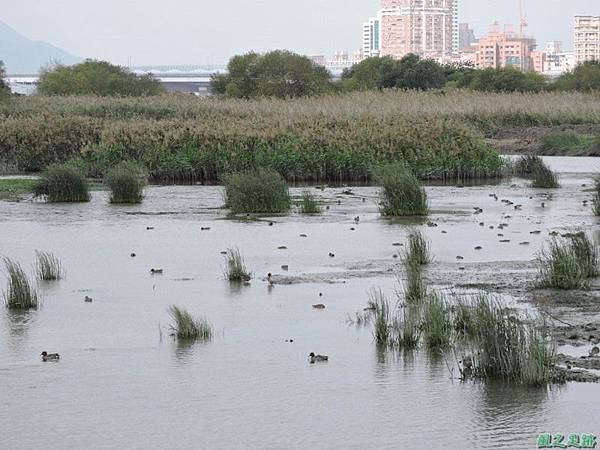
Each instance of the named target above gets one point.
<point>122,383</point>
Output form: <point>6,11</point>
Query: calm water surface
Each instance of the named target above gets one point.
<point>123,383</point>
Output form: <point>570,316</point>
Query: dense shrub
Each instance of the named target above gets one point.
<point>261,191</point>
<point>126,182</point>
<point>401,193</point>
<point>62,184</point>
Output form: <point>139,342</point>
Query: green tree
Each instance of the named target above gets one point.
<point>96,78</point>
<point>585,77</point>
<point>279,73</point>
<point>410,72</point>
<point>508,79</point>
<point>4,89</point>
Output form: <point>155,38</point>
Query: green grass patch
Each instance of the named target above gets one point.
<point>48,267</point>
<point>19,293</point>
<point>309,204</point>
<point>13,189</point>
<point>263,191</point>
<point>567,143</point>
<point>186,327</point>
<point>126,182</point>
<point>401,192</point>
<point>544,177</point>
<point>436,325</point>
<point>62,184</point>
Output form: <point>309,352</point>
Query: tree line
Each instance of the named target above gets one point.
<point>284,74</point>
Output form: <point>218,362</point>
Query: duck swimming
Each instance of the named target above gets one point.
<point>317,358</point>
<point>50,356</point>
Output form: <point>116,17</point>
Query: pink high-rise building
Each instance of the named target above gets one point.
<point>425,27</point>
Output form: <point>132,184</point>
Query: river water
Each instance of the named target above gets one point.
<point>122,382</point>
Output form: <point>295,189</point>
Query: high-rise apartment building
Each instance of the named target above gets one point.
<point>587,38</point>
<point>466,37</point>
<point>428,28</point>
<point>371,38</point>
<point>505,48</point>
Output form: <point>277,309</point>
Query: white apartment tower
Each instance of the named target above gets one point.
<point>371,38</point>
<point>587,38</point>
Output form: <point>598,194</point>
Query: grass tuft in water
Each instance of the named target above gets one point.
<point>407,328</point>
<point>418,249</point>
<point>48,267</point>
<point>381,318</point>
<point>19,293</point>
<point>261,191</point>
<point>568,263</point>
<point>126,182</point>
<point>596,200</point>
<point>436,325</point>
<point>235,269</point>
<point>401,192</point>
<point>526,165</point>
<point>185,327</point>
<point>62,184</point>
<point>309,204</point>
<point>415,289</point>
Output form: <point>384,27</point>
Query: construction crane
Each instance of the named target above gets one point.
<point>522,20</point>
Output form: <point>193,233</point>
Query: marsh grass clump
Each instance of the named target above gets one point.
<point>507,347</point>
<point>568,263</point>
<point>48,267</point>
<point>235,269</point>
<point>309,204</point>
<point>436,324</point>
<point>19,293</point>
<point>62,183</point>
<point>126,182</point>
<point>544,177</point>
<point>401,192</point>
<point>569,143</point>
<point>262,191</point>
<point>186,327</point>
<point>407,328</point>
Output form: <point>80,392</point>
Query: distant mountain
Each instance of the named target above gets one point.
<point>24,56</point>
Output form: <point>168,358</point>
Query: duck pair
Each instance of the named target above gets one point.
<point>317,358</point>
<point>50,356</point>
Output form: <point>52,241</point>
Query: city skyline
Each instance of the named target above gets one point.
<point>189,32</point>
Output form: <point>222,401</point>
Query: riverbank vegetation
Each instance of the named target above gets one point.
<point>19,293</point>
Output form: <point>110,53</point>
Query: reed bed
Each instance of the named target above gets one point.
<point>126,182</point>
<point>331,138</point>
<point>62,184</point>
<point>19,293</point>
<point>568,263</point>
<point>309,204</point>
<point>263,191</point>
<point>416,255</point>
<point>48,267</point>
<point>401,192</point>
<point>186,327</point>
<point>544,177</point>
<point>235,267</point>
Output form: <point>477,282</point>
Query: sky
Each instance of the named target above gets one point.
<point>171,32</point>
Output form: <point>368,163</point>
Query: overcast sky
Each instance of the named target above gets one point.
<point>199,31</point>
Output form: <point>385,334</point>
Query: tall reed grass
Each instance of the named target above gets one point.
<point>186,327</point>
<point>544,177</point>
<point>62,184</point>
<point>48,267</point>
<point>262,191</point>
<point>19,293</point>
<point>596,200</point>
